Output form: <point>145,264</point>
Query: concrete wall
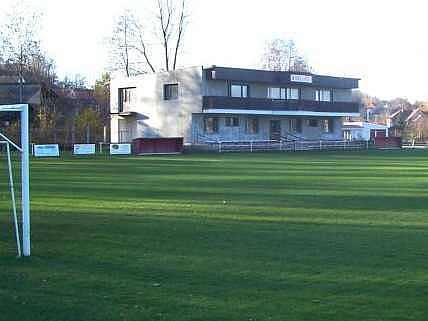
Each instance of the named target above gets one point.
<point>240,134</point>
<point>154,116</point>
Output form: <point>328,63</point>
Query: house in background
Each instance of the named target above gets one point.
<point>231,104</point>
<point>35,95</point>
<point>410,124</point>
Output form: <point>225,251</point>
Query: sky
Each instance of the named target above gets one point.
<point>384,43</point>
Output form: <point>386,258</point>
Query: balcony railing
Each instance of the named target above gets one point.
<point>220,102</point>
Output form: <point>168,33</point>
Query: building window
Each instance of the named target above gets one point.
<point>296,125</point>
<point>283,93</point>
<point>328,125</point>
<point>170,91</point>
<point>211,125</point>
<point>126,98</point>
<point>347,135</point>
<point>293,93</point>
<point>276,93</point>
<point>322,95</point>
<point>313,122</point>
<point>240,91</point>
<point>252,125</point>
<point>232,122</point>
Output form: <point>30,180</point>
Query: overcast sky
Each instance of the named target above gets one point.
<point>385,43</point>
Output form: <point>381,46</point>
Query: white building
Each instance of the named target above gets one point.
<point>363,131</point>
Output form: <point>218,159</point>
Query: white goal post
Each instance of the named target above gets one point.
<point>24,149</point>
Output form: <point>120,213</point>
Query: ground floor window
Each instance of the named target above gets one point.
<point>313,122</point>
<point>328,125</point>
<point>252,125</point>
<point>232,122</point>
<point>211,125</point>
<point>296,125</point>
<point>347,135</point>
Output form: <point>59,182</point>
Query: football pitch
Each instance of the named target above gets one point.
<point>293,236</point>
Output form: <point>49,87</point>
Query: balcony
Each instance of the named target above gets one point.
<point>276,105</point>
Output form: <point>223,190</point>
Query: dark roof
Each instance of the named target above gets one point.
<point>76,96</point>
<point>9,93</point>
<point>278,77</point>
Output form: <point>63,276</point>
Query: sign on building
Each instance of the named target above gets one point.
<point>301,78</point>
<point>84,149</point>
<point>120,149</point>
<point>51,150</point>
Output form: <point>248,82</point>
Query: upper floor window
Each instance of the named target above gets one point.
<point>293,93</point>
<point>170,91</point>
<point>239,90</point>
<point>277,93</point>
<point>283,93</point>
<point>323,95</point>
<point>127,97</point>
<point>232,122</point>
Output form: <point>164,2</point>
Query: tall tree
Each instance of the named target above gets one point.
<point>132,46</point>
<point>283,55</point>
<point>76,82</point>
<point>19,42</point>
<point>121,44</point>
<point>23,58</point>
<point>102,97</point>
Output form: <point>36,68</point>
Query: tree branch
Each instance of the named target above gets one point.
<point>180,32</point>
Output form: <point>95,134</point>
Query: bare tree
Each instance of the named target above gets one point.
<point>19,40</point>
<point>128,48</point>
<point>165,16</point>
<point>120,44</point>
<point>172,24</point>
<point>180,31</point>
<point>141,46</point>
<point>283,55</point>
<point>131,49</point>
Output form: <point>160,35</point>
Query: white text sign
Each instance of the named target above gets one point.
<point>84,149</point>
<point>301,78</point>
<point>120,149</point>
<point>51,150</point>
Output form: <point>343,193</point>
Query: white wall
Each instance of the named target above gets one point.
<point>154,116</point>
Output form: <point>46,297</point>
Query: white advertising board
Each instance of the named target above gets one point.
<point>84,149</point>
<point>120,149</point>
<point>51,150</point>
<point>301,78</point>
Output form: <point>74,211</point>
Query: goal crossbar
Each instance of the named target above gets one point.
<point>24,149</point>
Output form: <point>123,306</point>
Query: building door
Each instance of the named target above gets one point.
<point>375,133</point>
<point>275,130</point>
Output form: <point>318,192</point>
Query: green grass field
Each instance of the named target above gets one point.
<point>304,236</point>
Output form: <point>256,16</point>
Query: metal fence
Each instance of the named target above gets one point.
<point>415,145</point>
<point>285,146</point>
